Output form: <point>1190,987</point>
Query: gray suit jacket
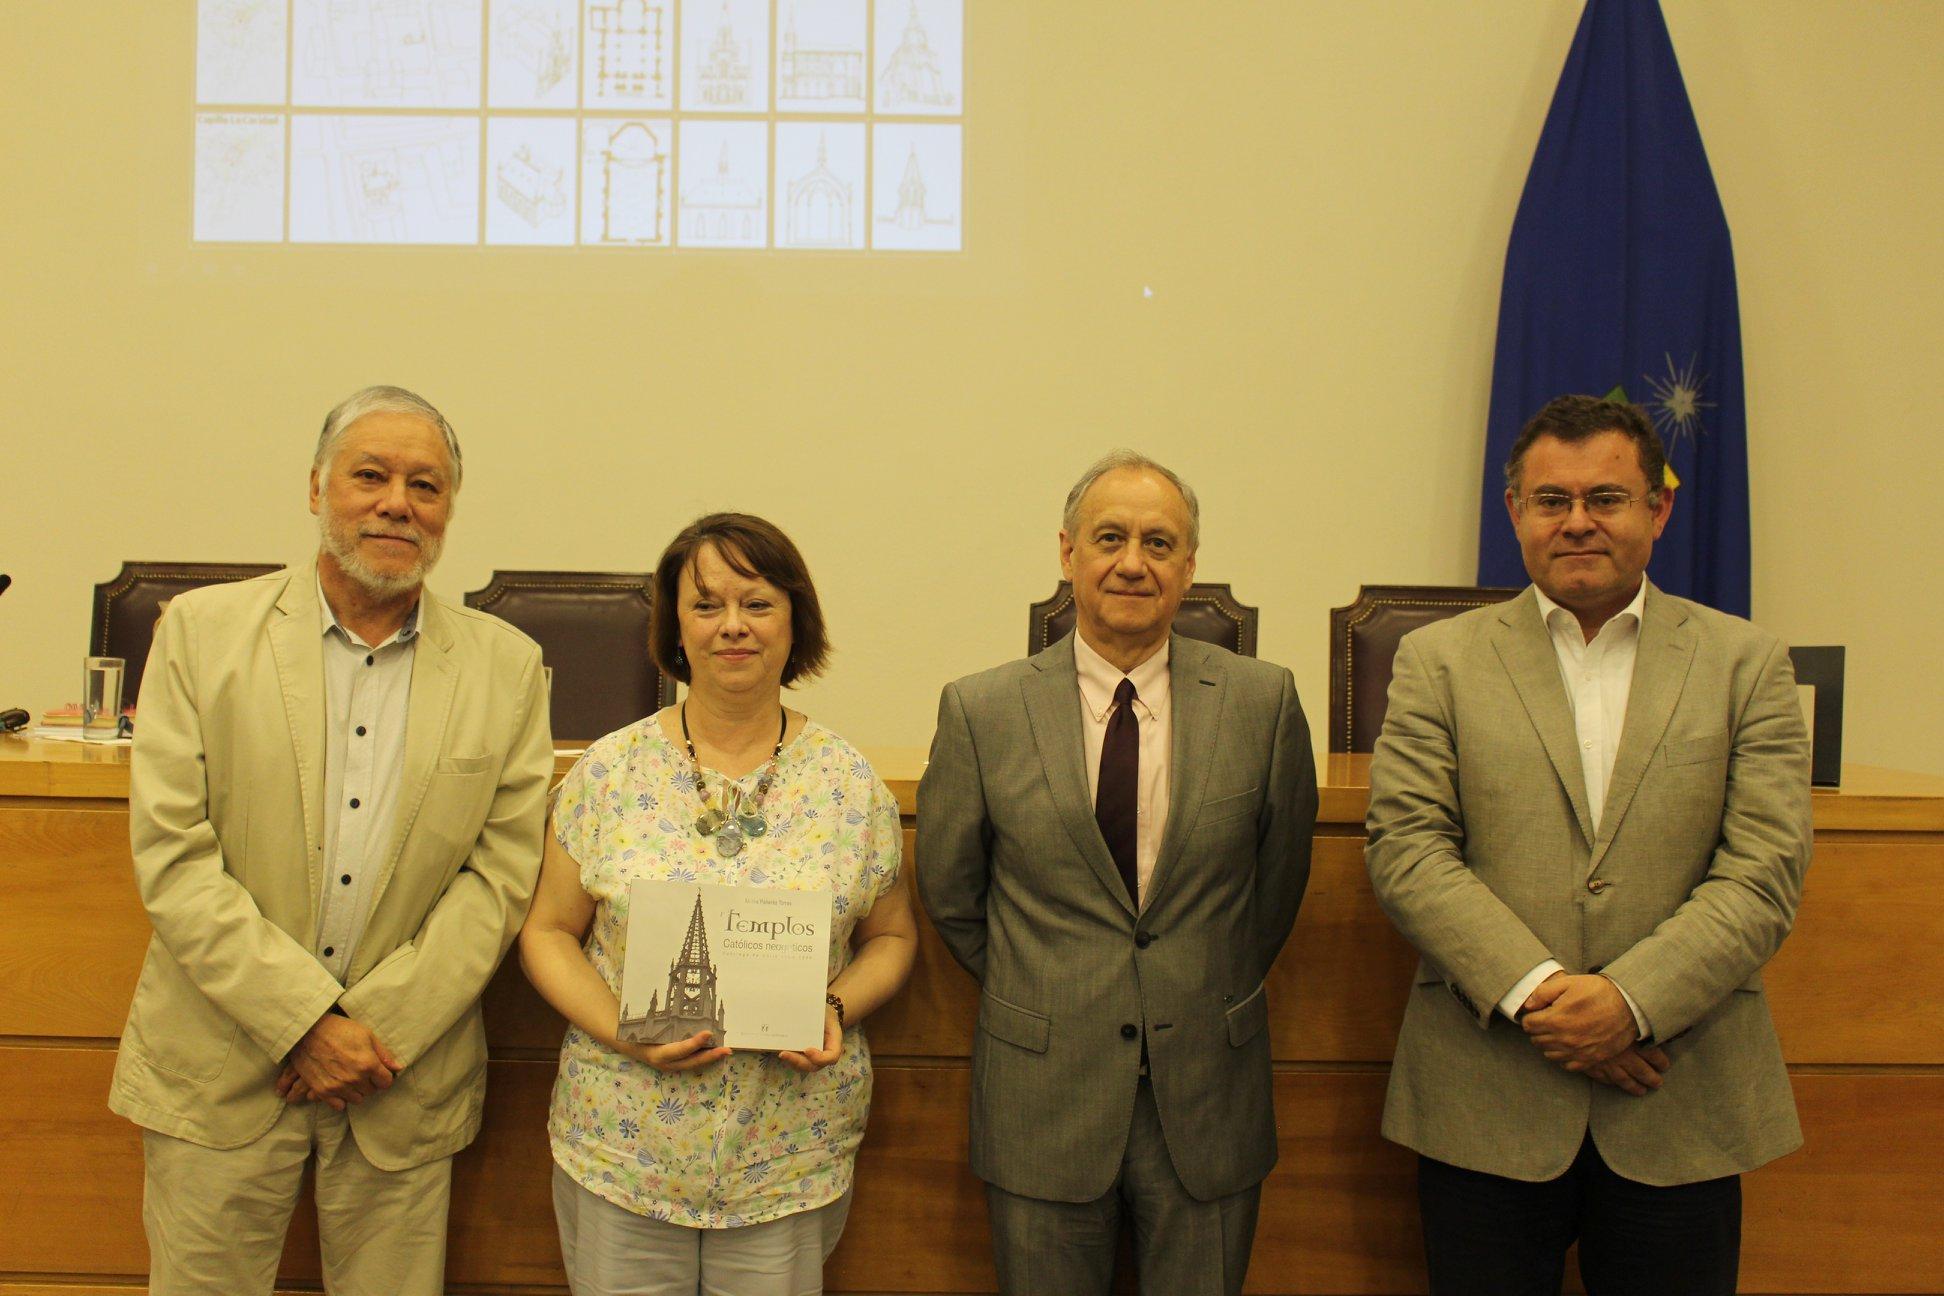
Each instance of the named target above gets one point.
<point>1482,851</point>
<point>227,827</point>
<point>1016,876</point>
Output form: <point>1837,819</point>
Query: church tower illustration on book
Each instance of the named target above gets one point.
<point>692,1003</point>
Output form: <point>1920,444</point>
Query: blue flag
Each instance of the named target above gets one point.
<point>1619,274</point>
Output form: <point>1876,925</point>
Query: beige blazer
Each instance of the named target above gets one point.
<point>1481,849</point>
<point>1017,878</point>
<point>227,828</point>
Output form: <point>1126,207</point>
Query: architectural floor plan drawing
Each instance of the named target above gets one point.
<point>384,179</point>
<point>534,54</point>
<point>820,184</point>
<point>915,179</point>
<point>627,54</point>
<point>239,178</point>
<point>240,51</point>
<point>724,190</point>
<point>530,180</point>
<point>385,53</point>
<point>820,56</point>
<point>725,56</point>
<point>920,55</point>
<point>624,182</point>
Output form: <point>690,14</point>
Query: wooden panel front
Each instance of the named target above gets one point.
<point>1851,1212</point>
<point>1870,912</point>
<point>1847,1213</point>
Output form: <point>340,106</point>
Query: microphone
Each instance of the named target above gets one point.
<point>13,717</point>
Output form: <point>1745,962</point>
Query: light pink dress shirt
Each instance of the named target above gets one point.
<point>1098,680</point>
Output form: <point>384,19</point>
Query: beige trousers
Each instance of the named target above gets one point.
<point>216,1219</point>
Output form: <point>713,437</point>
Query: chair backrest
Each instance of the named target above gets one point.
<point>592,628</point>
<point>1363,644</point>
<point>1207,612</point>
<point>127,607</point>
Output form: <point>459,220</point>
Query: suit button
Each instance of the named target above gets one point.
<point>1598,885</point>
<point>1143,939</point>
<point>1130,1031</point>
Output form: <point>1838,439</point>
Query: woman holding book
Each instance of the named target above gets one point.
<point>690,1166</point>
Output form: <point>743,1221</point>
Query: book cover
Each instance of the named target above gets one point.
<point>747,963</point>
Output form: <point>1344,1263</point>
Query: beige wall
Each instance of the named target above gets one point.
<point>1318,194</point>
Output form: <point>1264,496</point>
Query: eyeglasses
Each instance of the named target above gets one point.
<point>1554,505</point>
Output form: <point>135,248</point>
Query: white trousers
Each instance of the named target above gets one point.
<point>216,1219</point>
<point>610,1251</point>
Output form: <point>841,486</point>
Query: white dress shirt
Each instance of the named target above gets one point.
<point>367,690</point>
<point>1099,678</point>
<point>1598,676</point>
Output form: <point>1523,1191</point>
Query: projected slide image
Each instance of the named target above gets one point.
<point>915,173</point>
<point>820,56</point>
<point>820,185</point>
<point>743,124</point>
<point>239,177</point>
<point>384,179</point>
<point>625,182</point>
<point>725,56</point>
<point>627,54</point>
<point>920,56</point>
<point>240,52</point>
<point>533,54</point>
<point>724,193</point>
<point>385,53</point>
<point>529,180</point>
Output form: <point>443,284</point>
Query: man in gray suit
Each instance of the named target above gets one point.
<point>1113,838</point>
<point>1589,810</point>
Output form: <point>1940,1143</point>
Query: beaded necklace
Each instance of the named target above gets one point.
<point>727,819</point>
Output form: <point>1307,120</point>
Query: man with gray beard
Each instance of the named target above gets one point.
<point>335,810</point>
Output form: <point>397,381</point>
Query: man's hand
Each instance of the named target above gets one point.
<point>1577,1021</point>
<point>341,1061</point>
<point>1637,1070</point>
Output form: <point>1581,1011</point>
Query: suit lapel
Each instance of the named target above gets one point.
<point>1197,682</point>
<point>1525,647</point>
<point>1661,662</point>
<point>434,681</point>
<point>1052,698</point>
<point>296,644</point>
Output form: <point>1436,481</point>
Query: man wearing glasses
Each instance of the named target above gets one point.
<point>1589,811</point>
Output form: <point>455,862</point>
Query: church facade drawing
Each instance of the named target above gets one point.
<point>691,1002</point>
<point>719,206</point>
<point>817,213</point>
<point>723,77</point>
<point>913,77</point>
<point>812,72</point>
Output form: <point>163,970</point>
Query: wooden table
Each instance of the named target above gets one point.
<point>1855,992</point>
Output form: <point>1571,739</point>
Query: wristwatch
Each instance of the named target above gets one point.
<point>838,1004</point>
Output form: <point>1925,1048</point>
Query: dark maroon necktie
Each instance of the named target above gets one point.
<point>1116,804</point>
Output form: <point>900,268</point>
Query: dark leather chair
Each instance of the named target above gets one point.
<point>592,628</point>
<point>127,608</point>
<point>1363,643</point>
<point>1208,613</point>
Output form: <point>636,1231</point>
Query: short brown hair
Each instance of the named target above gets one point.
<point>752,548</point>
<point>1575,418</point>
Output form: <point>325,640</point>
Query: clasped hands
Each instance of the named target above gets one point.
<point>695,1052</point>
<point>339,1061</point>
<point>1583,1023</point>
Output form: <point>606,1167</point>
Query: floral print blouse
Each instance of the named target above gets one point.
<point>747,1139</point>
